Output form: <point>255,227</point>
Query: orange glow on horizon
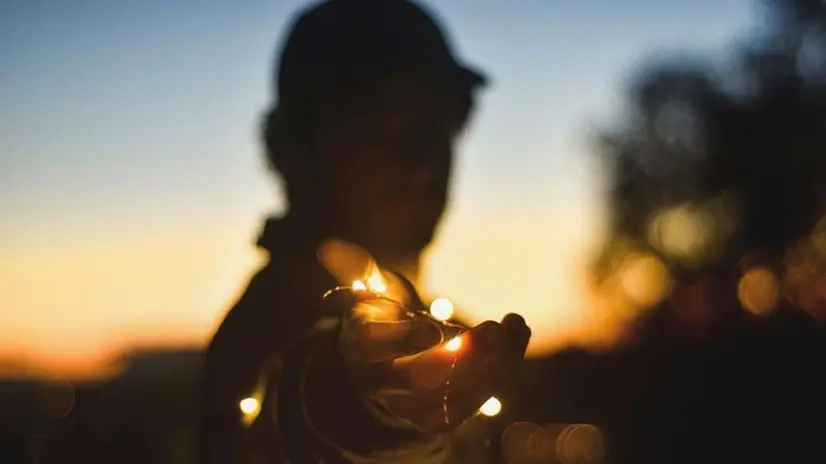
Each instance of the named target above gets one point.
<point>107,298</point>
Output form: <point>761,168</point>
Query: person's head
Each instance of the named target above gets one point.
<point>370,102</point>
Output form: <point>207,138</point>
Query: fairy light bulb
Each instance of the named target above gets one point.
<point>441,309</point>
<point>454,344</point>
<point>250,408</point>
<point>491,407</point>
<point>249,405</point>
<point>376,283</point>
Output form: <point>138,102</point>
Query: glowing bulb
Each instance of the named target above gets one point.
<point>249,406</point>
<point>491,407</point>
<point>359,286</point>
<point>454,344</point>
<point>441,309</point>
<point>376,282</point>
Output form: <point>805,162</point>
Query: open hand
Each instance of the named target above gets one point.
<point>432,374</point>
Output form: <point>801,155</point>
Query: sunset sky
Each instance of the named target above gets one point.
<point>132,186</point>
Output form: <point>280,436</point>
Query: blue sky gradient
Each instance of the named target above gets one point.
<point>133,124</point>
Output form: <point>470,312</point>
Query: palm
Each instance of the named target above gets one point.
<point>408,361</point>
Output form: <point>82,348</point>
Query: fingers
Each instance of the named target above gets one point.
<point>484,366</point>
<point>404,290</point>
<point>496,348</point>
<point>518,334</point>
<point>348,263</point>
<point>484,354</point>
<point>432,368</point>
<point>479,347</point>
<point>468,371</point>
<point>379,330</point>
<point>493,352</point>
<point>427,370</point>
<point>473,369</point>
<point>345,261</point>
<point>377,341</point>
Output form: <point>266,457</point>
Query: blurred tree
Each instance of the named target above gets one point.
<point>717,176</point>
<point>718,172</point>
<point>715,162</point>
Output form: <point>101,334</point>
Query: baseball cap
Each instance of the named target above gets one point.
<point>337,44</point>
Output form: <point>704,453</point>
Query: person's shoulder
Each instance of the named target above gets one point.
<point>259,304</point>
<point>263,290</point>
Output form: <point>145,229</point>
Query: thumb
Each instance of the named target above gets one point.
<point>379,331</point>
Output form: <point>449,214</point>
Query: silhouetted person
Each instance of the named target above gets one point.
<point>369,105</point>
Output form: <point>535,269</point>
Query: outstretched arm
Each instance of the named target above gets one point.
<point>228,377</point>
<point>235,361</point>
<point>377,394</point>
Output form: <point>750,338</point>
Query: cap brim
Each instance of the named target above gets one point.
<point>472,77</point>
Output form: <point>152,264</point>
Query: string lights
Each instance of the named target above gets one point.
<point>250,408</point>
<point>441,309</point>
<point>438,313</point>
<point>249,405</point>
<point>491,407</point>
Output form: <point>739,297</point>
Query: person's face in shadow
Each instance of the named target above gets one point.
<point>390,164</point>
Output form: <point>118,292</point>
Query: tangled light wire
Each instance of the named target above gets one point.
<point>438,314</point>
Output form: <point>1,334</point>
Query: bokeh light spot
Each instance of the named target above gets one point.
<point>759,291</point>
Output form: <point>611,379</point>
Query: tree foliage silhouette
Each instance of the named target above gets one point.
<point>752,132</point>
